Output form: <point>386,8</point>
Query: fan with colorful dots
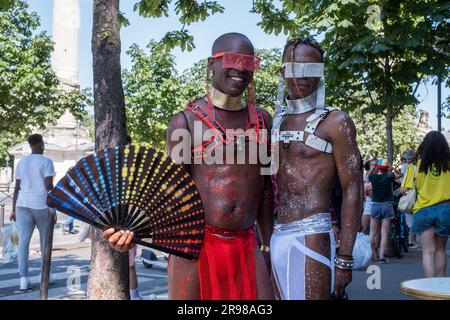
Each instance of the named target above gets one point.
<point>138,189</point>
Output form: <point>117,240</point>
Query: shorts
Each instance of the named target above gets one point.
<point>132,256</point>
<point>368,206</point>
<point>382,211</point>
<point>437,216</point>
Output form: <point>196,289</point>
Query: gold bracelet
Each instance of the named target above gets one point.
<point>265,248</point>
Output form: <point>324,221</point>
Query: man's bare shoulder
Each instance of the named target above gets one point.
<point>340,122</point>
<point>183,118</point>
<point>178,120</point>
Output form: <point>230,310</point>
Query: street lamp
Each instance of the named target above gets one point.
<point>7,172</point>
<point>439,104</point>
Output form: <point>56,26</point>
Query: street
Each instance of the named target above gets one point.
<point>70,264</point>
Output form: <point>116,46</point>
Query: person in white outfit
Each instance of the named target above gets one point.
<point>317,150</point>
<point>34,178</point>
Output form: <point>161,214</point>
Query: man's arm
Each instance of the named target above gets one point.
<point>348,164</point>
<point>12,216</point>
<point>347,157</point>
<point>265,218</point>
<point>48,181</point>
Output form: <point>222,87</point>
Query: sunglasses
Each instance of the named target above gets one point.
<point>238,61</point>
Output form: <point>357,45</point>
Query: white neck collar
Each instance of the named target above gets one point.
<point>302,105</point>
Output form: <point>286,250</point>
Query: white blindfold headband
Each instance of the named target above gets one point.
<point>303,70</point>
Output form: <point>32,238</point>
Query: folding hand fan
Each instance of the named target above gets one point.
<point>137,189</point>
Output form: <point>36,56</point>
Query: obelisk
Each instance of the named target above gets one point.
<point>66,27</point>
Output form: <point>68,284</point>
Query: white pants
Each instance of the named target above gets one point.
<point>289,252</point>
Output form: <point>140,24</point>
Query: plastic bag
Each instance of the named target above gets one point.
<point>362,251</point>
<point>85,231</point>
<point>10,243</point>
<point>407,201</point>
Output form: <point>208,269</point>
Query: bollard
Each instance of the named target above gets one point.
<point>47,254</point>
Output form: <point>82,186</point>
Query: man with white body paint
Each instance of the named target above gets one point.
<point>317,149</point>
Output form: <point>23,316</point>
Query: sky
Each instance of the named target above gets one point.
<point>235,18</point>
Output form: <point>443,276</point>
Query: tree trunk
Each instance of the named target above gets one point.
<point>389,136</point>
<point>108,278</point>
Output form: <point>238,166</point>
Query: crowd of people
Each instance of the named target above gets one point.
<point>425,173</point>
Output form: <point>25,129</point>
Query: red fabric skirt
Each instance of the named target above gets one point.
<point>226,265</point>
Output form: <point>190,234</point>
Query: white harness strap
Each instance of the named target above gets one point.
<point>312,140</point>
<point>319,144</point>
<point>287,136</point>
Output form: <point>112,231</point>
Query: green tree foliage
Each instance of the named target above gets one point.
<point>29,93</point>
<point>152,94</point>
<point>266,80</point>
<point>7,139</point>
<point>188,11</point>
<point>372,137</point>
<point>378,51</point>
<point>6,4</point>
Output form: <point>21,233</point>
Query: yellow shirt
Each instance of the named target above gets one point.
<point>431,187</point>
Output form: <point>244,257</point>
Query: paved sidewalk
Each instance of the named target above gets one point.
<point>60,241</point>
<point>391,275</point>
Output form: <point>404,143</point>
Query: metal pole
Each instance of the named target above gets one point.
<point>47,258</point>
<point>439,110</point>
<point>2,222</point>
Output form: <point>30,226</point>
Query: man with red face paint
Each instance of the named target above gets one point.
<point>317,151</point>
<point>235,195</point>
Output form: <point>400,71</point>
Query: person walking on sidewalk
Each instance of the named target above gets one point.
<point>34,178</point>
<point>432,207</point>
<point>382,209</point>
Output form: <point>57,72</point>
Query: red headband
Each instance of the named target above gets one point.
<point>238,61</point>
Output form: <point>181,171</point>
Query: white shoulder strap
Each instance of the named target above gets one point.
<point>314,141</point>
<point>317,143</point>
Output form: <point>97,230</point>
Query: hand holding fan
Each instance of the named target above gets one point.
<point>137,189</point>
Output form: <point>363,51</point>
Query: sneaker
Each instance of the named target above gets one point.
<point>24,283</point>
<point>383,261</point>
<point>413,246</point>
